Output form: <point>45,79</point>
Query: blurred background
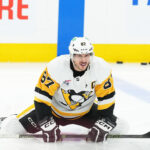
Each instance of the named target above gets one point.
<point>39,30</point>
<point>33,32</point>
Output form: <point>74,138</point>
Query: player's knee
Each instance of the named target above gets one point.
<point>11,125</point>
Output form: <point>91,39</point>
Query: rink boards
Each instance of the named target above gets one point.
<point>118,29</point>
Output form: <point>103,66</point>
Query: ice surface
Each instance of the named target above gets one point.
<point>26,144</point>
<point>17,82</point>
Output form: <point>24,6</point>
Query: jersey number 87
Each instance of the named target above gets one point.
<point>46,80</point>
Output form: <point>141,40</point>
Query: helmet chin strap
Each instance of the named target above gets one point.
<point>71,57</point>
<point>73,63</point>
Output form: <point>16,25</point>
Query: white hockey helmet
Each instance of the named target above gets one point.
<point>80,45</point>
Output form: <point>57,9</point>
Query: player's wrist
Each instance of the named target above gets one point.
<point>48,124</point>
<point>106,124</point>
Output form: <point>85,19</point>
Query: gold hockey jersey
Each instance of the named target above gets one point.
<point>71,97</point>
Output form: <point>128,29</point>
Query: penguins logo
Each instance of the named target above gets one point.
<point>74,99</point>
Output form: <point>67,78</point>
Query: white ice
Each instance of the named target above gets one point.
<point>132,83</point>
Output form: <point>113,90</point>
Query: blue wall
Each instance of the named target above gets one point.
<point>70,23</point>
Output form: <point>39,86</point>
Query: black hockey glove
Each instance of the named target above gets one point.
<point>101,129</point>
<point>50,130</point>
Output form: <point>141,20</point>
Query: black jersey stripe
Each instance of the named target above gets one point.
<point>38,90</point>
<point>106,97</point>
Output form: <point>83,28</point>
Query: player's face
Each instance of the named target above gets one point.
<point>81,61</point>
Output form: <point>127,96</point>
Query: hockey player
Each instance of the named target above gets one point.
<point>73,89</point>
